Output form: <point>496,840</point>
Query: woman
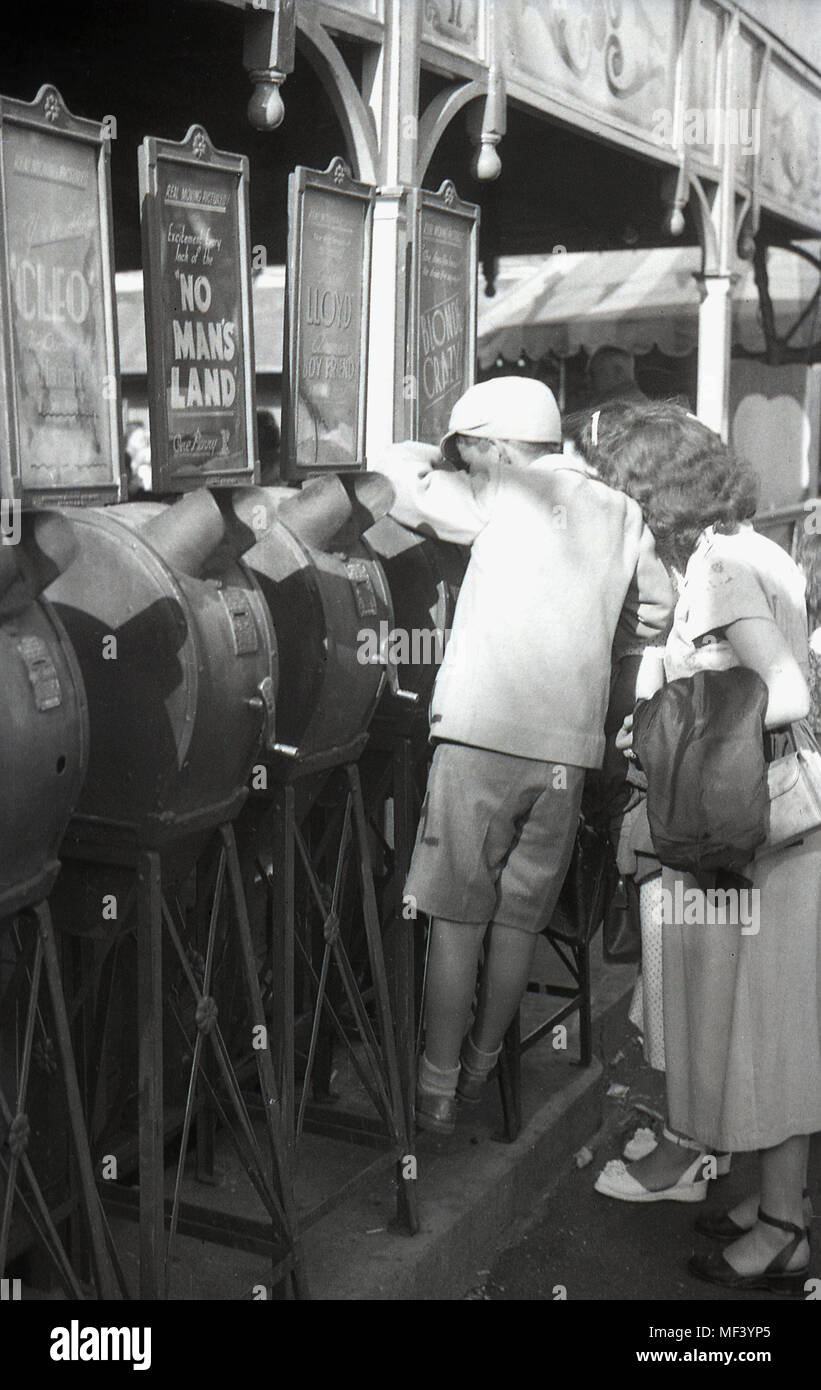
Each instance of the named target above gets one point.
<point>742,1018</point>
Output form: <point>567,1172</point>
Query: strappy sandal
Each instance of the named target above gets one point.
<point>715,1268</point>
<point>644,1141</point>
<point>721,1226</point>
<point>640,1144</point>
<point>615,1181</point>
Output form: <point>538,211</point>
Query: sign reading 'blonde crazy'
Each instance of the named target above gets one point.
<point>443,317</point>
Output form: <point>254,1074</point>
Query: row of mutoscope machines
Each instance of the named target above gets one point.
<point>207,807</point>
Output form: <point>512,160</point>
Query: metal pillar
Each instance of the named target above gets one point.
<point>714,341</point>
<point>719,226</point>
<point>391,82</point>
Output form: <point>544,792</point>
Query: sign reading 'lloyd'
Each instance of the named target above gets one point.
<point>196,253</point>
<point>329,244</point>
<point>443,310</point>
<point>59,384</point>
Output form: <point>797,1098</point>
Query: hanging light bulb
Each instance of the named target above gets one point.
<point>487,131</point>
<point>266,109</point>
<point>676,223</point>
<point>487,165</point>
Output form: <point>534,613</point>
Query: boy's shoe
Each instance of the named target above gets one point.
<point>470,1087</point>
<point>476,1068</point>
<point>434,1112</point>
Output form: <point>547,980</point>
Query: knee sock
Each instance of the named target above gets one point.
<point>437,1081</point>
<point>508,963</point>
<point>474,1061</point>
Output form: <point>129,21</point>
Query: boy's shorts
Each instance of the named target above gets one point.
<point>495,837</point>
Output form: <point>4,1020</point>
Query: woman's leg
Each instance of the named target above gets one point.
<point>783,1179</point>
<point>650,913</point>
<point>664,1166</point>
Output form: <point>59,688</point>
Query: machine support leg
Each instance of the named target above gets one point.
<point>407,1212</point>
<point>585,1006</point>
<point>104,1277</point>
<point>282,938</point>
<point>510,1080</point>
<point>206,1120</point>
<point>150,1075</point>
<point>282,1174</point>
<point>400,943</point>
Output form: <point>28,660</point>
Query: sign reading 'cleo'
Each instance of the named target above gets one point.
<point>60,413</point>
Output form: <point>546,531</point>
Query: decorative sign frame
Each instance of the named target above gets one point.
<point>442,318</point>
<point>327,297</point>
<point>60,413</point>
<point>198,314</point>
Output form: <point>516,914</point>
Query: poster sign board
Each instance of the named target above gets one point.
<point>442,321</point>
<point>197,277</point>
<point>60,423</point>
<point>330,219</point>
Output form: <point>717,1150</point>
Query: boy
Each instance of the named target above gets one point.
<point>561,565</point>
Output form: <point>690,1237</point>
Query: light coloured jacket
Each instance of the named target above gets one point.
<point>563,574</point>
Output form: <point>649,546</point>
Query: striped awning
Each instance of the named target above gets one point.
<point>637,300</point>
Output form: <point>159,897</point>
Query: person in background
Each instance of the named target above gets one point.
<point>269,448</point>
<point>559,563</point>
<point>138,460</point>
<point>611,377</point>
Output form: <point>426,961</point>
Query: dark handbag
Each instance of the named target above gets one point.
<point>700,741</point>
<point>621,937</point>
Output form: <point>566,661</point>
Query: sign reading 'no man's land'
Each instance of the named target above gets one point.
<point>198,326</point>
<point>443,315</point>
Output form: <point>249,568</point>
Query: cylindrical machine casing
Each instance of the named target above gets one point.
<point>320,602</point>
<point>180,673</point>
<point>44,743</point>
<point>423,575</point>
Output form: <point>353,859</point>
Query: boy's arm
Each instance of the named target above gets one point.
<point>432,498</point>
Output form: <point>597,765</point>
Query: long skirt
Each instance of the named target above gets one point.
<point>742,1007</point>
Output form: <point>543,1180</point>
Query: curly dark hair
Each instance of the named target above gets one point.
<point>680,473</point>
